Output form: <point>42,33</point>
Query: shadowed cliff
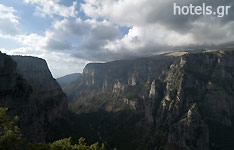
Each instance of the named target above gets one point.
<point>28,89</point>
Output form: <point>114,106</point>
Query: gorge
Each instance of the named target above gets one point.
<point>172,101</point>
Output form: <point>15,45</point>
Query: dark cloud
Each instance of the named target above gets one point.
<point>54,44</point>
<point>67,27</point>
<point>98,36</point>
<point>93,36</point>
<point>185,23</point>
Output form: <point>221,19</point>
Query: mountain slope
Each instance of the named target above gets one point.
<point>29,91</point>
<point>47,97</point>
<point>181,101</point>
<point>68,79</point>
<point>14,94</point>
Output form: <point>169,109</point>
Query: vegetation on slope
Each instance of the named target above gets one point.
<point>12,139</point>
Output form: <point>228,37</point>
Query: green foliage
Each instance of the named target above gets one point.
<point>10,136</point>
<point>66,144</point>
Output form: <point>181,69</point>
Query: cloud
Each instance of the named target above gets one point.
<point>51,40</point>
<point>141,12</point>
<point>154,29</point>
<point>96,36</point>
<point>8,21</point>
<point>93,37</point>
<point>153,22</point>
<point>52,7</point>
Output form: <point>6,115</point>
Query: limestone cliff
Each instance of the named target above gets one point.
<point>186,99</point>
<point>198,101</point>
<point>117,84</point>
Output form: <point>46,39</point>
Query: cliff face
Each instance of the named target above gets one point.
<point>47,95</point>
<point>117,85</point>
<point>29,91</point>
<point>198,102</point>
<point>15,92</point>
<point>187,99</point>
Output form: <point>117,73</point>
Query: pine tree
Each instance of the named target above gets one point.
<point>10,135</point>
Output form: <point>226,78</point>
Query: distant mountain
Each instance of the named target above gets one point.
<point>68,79</point>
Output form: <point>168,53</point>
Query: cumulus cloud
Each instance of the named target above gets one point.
<point>153,24</point>
<point>8,21</point>
<point>52,7</point>
<point>93,37</point>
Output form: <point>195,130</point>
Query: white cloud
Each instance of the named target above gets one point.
<point>52,7</point>
<point>51,40</point>
<point>8,21</point>
<point>124,12</point>
<point>154,35</point>
<point>31,40</point>
<point>92,34</point>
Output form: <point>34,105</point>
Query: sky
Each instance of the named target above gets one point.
<point>68,34</point>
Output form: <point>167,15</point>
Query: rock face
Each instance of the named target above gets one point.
<point>29,91</point>
<point>187,100</point>
<point>113,82</point>
<point>15,92</point>
<point>200,86</point>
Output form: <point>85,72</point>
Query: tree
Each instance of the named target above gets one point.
<point>10,135</point>
<point>66,144</point>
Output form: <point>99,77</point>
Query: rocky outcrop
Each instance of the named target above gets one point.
<point>204,80</point>
<point>28,89</point>
<point>186,98</point>
<point>191,132</point>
